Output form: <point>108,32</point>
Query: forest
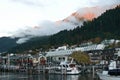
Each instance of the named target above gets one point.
<point>106,26</point>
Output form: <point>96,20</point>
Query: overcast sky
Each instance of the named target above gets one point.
<point>19,14</point>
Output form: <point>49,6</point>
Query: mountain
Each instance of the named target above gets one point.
<point>7,43</point>
<point>33,43</point>
<point>86,14</point>
<point>106,26</point>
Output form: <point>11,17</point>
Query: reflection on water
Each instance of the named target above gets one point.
<point>13,76</point>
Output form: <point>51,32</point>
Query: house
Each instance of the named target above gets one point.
<point>90,47</point>
<point>58,55</point>
<point>98,55</point>
<point>39,59</point>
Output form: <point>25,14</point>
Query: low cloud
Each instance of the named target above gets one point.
<point>45,28</point>
<point>72,21</point>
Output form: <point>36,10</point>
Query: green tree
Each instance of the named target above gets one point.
<point>118,44</point>
<point>97,40</point>
<point>81,57</point>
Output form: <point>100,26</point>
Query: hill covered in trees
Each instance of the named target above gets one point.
<point>33,43</point>
<point>106,26</point>
<point>7,43</point>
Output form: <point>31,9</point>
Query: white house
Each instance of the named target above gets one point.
<point>60,54</point>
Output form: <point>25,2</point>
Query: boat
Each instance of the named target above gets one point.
<point>67,68</point>
<point>63,63</point>
<point>113,73</point>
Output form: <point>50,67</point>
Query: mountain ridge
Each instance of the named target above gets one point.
<point>105,26</point>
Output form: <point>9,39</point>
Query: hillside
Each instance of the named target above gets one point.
<point>34,43</point>
<point>7,43</point>
<point>106,26</point>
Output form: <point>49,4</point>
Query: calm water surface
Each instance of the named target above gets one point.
<point>20,76</point>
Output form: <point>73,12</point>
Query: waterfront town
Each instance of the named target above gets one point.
<point>54,59</point>
<point>60,40</point>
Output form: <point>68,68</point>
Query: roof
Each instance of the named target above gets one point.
<point>59,53</point>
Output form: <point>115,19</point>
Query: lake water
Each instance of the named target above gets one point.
<point>20,76</point>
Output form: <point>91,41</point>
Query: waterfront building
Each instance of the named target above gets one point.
<point>59,54</point>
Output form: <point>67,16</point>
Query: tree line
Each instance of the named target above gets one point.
<point>106,26</point>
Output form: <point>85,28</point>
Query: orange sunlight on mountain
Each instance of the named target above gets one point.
<point>89,16</point>
<point>87,13</point>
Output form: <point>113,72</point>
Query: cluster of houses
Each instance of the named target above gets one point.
<point>96,52</point>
